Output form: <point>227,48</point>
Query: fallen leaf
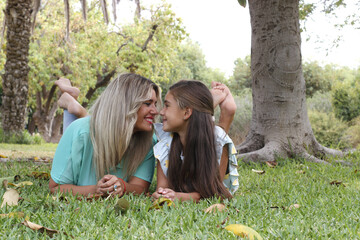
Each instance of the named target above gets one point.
<point>258,171</point>
<point>3,156</point>
<point>223,222</point>
<point>337,183</point>
<point>10,198</point>
<point>122,205</point>
<point>12,214</point>
<point>294,206</point>
<point>300,172</point>
<point>160,202</point>
<point>218,207</point>
<point>40,175</point>
<point>243,231</point>
<point>11,179</point>
<point>21,184</point>
<point>92,197</point>
<point>271,164</point>
<point>40,228</point>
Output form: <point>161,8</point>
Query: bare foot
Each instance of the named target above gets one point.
<point>64,85</point>
<point>67,101</point>
<point>218,96</point>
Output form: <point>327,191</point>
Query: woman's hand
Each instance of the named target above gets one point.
<point>110,184</point>
<point>164,192</point>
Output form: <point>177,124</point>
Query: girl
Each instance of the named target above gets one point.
<point>111,151</point>
<point>195,159</point>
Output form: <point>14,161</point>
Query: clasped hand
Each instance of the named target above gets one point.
<point>164,192</point>
<point>110,184</point>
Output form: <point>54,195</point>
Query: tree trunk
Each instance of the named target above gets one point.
<point>280,125</point>
<point>15,78</point>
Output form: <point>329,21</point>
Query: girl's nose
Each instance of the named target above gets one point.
<point>162,112</point>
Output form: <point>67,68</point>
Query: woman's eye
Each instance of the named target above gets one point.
<point>147,104</point>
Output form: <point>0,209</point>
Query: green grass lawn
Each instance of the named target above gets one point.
<point>328,197</point>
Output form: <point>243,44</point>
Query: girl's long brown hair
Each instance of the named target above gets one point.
<point>199,171</point>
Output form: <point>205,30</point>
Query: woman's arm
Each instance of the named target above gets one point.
<point>104,186</point>
<point>73,189</point>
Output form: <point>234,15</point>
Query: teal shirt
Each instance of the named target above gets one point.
<point>73,160</point>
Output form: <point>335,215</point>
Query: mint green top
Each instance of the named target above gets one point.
<point>73,160</point>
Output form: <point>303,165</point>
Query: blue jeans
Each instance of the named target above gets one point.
<point>68,118</point>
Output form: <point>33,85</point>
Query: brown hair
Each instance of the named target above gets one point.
<point>199,170</point>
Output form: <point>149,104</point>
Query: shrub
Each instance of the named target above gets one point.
<point>23,138</point>
<point>320,102</point>
<point>329,130</point>
<point>241,124</point>
<point>354,133</point>
<point>345,101</point>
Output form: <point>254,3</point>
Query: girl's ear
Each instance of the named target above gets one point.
<point>187,113</point>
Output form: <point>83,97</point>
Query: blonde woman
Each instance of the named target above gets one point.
<point>110,151</point>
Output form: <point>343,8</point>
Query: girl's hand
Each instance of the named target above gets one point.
<point>164,192</point>
<point>110,184</point>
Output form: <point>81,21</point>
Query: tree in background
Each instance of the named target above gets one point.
<point>92,54</point>
<point>280,124</point>
<point>15,77</point>
<point>241,77</point>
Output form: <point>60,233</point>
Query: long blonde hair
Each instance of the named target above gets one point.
<point>113,117</point>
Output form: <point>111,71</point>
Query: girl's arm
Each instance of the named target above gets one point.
<point>82,190</point>
<point>163,189</point>
<point>224,162</point>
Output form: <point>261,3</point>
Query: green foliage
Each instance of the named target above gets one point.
<point>316,78</point>
<point>241,78</point>
<point>328,130</point>
<point>320,102</point>
<point>354,133</point>
<point>242,119</point>
<point>23,138</point>
<point>242,3</point>
<point>346,101</point>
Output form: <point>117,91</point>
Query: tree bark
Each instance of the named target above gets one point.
<point>280,125</point>
<point>15,78</point>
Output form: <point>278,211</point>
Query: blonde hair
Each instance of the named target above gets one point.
<point>113,117</point>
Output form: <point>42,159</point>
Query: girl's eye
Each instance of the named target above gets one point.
<point>147,104</point>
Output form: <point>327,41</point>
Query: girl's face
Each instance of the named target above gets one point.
<point>146,114</point>
<point>174,118</point>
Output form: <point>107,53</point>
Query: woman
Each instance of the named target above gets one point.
<point>195,159</point>
<point>109,152</point>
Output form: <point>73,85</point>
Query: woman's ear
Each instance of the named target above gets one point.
<point>187,113</point>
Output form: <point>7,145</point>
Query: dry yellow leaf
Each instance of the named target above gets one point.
<point>215,207</point>
<point>258,171</point>
<point>243,231</point>
<point>12,214</point>
<point>10,198</point>
<point>294,206</point>
<point>21,184</point>
<point>160,202</point>
<point>40,228</point>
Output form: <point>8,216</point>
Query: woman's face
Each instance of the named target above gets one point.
<point>172,115</point>
<point>146,114</point>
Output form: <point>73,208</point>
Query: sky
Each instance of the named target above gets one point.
<point>223,31</point>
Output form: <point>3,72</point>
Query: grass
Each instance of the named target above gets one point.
<point>46,150</point>
<point>327,211</point>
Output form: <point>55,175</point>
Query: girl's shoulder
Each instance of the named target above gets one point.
<point>160,133</point>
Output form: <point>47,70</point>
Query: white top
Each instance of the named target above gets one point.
<point>162,151</point>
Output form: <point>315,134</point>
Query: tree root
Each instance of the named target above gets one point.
<point>324,151</point>
<point>311,158</point>
<point>252,143</point>
<point>269,152</point>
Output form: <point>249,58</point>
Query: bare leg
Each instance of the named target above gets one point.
<point>66,101</point>
<point>64,85</point>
